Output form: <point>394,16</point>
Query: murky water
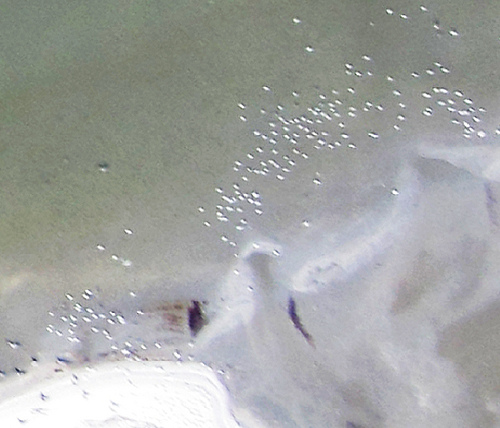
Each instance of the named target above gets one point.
<point>302,196</point>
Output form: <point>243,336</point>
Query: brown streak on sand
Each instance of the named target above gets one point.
<point>292,312</point>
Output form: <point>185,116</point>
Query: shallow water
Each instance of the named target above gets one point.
<point>304,197</point>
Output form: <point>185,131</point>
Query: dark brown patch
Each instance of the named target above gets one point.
<point>292,312</point>
<point>181,316</point>
<point>195,317</point>
<point>173,315</point>
<point>491,204</point>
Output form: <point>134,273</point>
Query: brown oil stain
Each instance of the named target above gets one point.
<point>185,317</point>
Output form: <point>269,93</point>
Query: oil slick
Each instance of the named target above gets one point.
<point>490,191</point>
<point>196,317</point>
<point>292,312</point>
<point>86,330</point>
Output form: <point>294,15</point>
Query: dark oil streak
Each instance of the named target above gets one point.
<point>491,205</point>
<point>292,312</point>
<point>352,425</point>
<point>196,318</point>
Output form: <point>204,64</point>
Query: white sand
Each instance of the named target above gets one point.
<point>121,394</point>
